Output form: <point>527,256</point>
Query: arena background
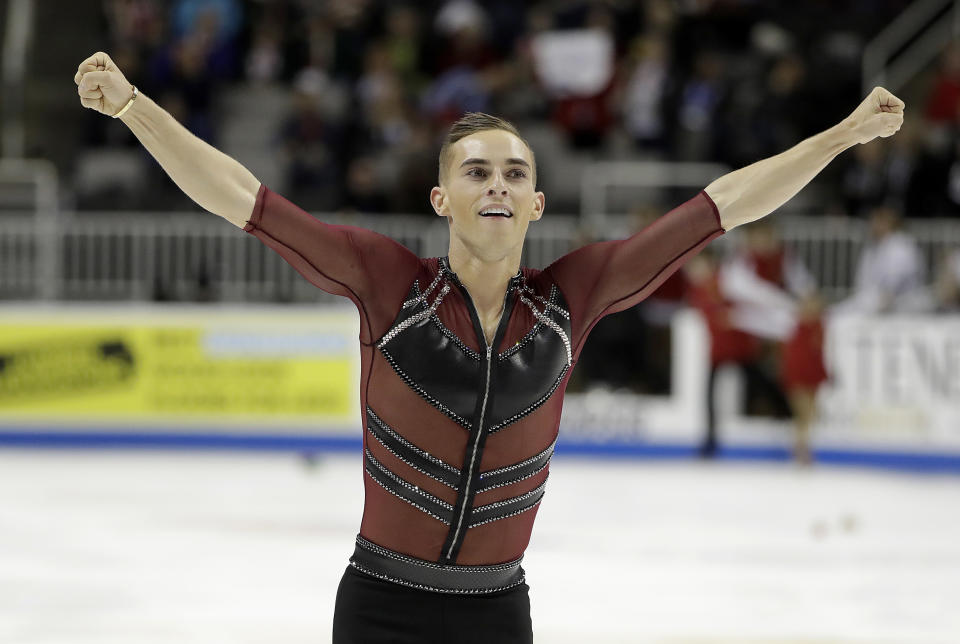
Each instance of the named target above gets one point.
<point>179,422</point>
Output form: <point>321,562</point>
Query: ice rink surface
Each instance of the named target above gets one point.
<point>130,547</point>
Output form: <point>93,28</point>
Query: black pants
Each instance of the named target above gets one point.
<point>756,379</point>
<point>371,611</point>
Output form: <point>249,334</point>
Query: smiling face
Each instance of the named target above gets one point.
<point>487,193</point>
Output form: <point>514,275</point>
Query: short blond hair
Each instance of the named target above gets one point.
<point>471,123</point>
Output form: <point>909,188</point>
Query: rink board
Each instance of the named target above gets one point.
<point>202,367</point>
<point>287,378</point>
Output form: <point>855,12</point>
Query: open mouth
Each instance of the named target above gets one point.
<point>496,211</point>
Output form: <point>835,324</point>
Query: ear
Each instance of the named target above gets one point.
<point>539,201</point>
<point>438,199</point>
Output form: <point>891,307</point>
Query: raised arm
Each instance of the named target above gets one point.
<point>755,191</point>
<point>372,270</point>
<point>216,182</point>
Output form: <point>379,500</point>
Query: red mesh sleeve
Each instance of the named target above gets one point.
<point>610,276</point>
<point>372,270</point>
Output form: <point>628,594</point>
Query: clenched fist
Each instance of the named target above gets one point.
<point>101,85</point>
<point>880,114</point>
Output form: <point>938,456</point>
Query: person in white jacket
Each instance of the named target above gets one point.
<point>774,297</point>
<point>890,273</point>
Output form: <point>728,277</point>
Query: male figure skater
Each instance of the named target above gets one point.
<point>464,357</point>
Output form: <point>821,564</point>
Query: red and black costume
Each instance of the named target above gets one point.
<point>458,435</point>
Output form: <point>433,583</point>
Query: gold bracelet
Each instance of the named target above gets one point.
<point>127,106</point>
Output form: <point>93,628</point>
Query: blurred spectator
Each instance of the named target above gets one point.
<point>953,179</point>
<point>783,115</point>
<point>699,109</point>
<point>802,372</point>
<point>264,63</point>
<point>454,92</point>
<point>729,345</point>
<point>207,31</point>
<point>946,286</point>
<point>643,97</point>
<point>220,19</point>
<point>186,73</point>
<point>415,164</point>
<point>364,187</point>
<point>346,28</point>
<point>463,29</point>
<point>864,179</point>
<point>278,43</point>
<point>774,298</point>
<point>896,172</point>
<point>311,140</point>
<point>904,159</point>
<point>683,80</point>
<point>404,46</point>
<point>765,281</point>
<point>185,81</point>
<point>522,95</point>
<point>461,62</point>
<point>576,68</point>
<point>135,23</point>
<point>889,275</point>
<point>943,103</point>
<point>318,47</point>
<point>384,112</point>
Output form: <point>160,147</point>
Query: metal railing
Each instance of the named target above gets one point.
<point>909,42</point>
<point>830,246</point>
<point>600,177</point>
<point>196,256</point>
<point>29,251</point>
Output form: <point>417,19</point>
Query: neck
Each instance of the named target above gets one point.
<point>486,280</point>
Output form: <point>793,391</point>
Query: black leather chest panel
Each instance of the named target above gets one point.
<point>442,369</point>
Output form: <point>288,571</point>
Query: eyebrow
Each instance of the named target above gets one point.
<point>476,161</point>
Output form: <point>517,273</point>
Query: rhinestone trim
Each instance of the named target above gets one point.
<point>513,499</point>
<point>535,492</point>
<point>547,454</point>
<point>415,449</point>
<point>421,297</point>
<point>411,584</point>
<point>548,304</point>
<point>530,335</point>
<point>413,488</point>
<point>413,319</point>
<point>553,325</point>
<point>507,516</point>
<point>524,477</point>
<point>380,550</point>
<point>439,323</point>
<point>532,459</point>
<point>400,439</point>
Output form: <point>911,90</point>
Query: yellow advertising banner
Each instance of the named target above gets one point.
<point>190,365</point>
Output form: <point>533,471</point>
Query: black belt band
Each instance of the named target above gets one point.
<point>388,565</point>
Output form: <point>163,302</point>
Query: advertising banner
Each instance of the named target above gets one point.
<point>180,366</point>
<point>894,384</point>
<point>895,376</point>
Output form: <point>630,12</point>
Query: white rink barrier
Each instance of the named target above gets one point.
<point>287,377</point>
<point>894,385</point>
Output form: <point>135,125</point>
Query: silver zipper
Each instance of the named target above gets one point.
<point>473,456</point>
